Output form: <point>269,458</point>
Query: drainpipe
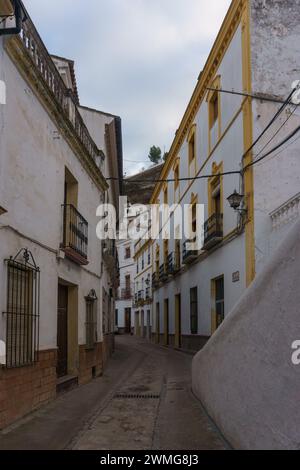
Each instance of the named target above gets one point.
<point>19,20</point>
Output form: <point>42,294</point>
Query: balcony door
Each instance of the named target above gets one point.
<point>178,321</point>
<point>62,331</point>
<point>128,320</point>
<point>166,322</point>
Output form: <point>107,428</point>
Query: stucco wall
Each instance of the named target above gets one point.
<point>244,375</point>
<point>32,176</point>
<point>275,57</point>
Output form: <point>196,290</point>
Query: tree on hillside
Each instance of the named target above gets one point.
<point>155,154</point>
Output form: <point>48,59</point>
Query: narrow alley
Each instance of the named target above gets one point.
<point>142,402</point>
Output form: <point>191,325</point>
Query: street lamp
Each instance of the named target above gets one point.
<point>235,200</point>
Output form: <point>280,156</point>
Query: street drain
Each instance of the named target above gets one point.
<point>138,396</point>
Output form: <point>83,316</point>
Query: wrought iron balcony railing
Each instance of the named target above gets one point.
<point>148,293</point>
<point>163,275</point>
<point>125,294</point>
<point>140,295</point>
<point>155,280</point>
<point>75,235</point>
<point>173,264</point>
<point>52,78</point>
<point>188,256</point>
<point>213,231</point>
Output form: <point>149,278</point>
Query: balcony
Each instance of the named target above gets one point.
<point>148,295</point>
<point>75,235</point>
<point>213,231</point>
<point>163,275</point>
<point>155,281</point>
<point>188,256</point>
<point>173,264</point>
<point>125,294</point>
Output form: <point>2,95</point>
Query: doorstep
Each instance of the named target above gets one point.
<point>66,383</point>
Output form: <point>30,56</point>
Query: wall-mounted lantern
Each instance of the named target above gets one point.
<point>235,200</point>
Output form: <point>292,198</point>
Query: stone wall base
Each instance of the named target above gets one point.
<point>25,389</point>
<point>90,363</point>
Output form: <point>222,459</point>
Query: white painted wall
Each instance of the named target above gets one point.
<point>32,171</point>
<point>231,257</point>
<point>275,32</point>
<point>244,376</point>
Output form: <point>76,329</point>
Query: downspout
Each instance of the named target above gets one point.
<point>18,15</point>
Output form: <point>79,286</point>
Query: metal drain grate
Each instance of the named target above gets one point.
<point>138,396</point>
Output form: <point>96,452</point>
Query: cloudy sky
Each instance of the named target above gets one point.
<point>139,59</point>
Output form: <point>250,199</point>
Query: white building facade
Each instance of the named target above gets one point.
<point>195,290</point>
<point>57,279</point>
<point>124,304</point>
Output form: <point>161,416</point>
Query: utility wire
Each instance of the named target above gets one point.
<point>277,132</point>
<point>257,96</point>
<point>290,136</point>
<point>239,172</point>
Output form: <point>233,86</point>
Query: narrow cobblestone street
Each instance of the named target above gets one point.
<point>143,401</point>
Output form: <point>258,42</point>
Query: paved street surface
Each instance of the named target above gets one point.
<point>143,401</point>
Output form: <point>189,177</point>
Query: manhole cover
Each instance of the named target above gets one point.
<point>138,396</point>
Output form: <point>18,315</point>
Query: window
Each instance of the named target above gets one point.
<point>137,266</point>
<point>176,176</point>
<point>127,252</point>
<point>143,261</point>
<point>91,324</point>
<point>149,256</point>
<point>194,310</point>
<point>22,315</point>
<point>191,139</point>
<point>116,317</point>
<point>214,115</point>
<point>177,254</point>
<point>215,191</point>
<point>219,300</point>
<point>192,149</point>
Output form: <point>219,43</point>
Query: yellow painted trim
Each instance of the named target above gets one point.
<point>213,150</point>
<point>213,310</point>
<point>166,322</point>
<point>223,40</point>
<point>177,321</point>
<point>142,249</point>
<point>248,139</point>
<point>216,170</point>
<point>192,164</point>
<point>216,83</point>
<point>157,322</point>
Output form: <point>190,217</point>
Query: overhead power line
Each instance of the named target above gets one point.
<point>234,172</point>
<point>225,173</point>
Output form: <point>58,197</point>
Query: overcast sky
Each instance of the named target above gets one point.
<point>139,59</point>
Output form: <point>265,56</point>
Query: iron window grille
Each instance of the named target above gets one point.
<point>91,323</point>
<point>23,310</point>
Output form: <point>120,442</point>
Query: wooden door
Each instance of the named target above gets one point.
<point>128,320</point>
<point>62,331</point>
<point>178,321</point>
